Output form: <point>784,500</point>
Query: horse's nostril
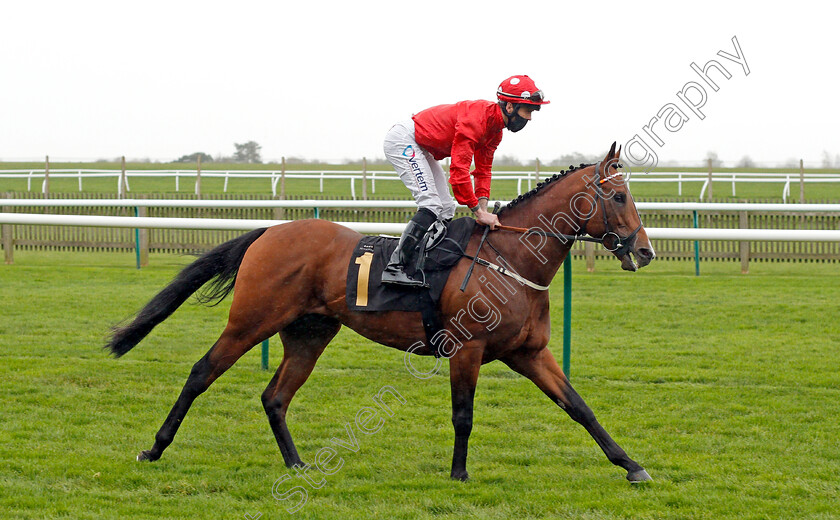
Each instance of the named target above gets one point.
<point>646,253</point>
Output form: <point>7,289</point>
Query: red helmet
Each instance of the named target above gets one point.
<point>521,89</point>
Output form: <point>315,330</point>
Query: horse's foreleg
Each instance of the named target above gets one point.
<point>221,356</point>
<point>543,370</point>
<point>463,374</point>
<point>303,342</point>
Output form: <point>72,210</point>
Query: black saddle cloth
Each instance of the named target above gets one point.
<point>365,292</point>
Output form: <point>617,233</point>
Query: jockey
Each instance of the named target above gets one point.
<point>466,131</point>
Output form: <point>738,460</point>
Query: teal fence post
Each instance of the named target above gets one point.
<point>567,315</point>
<point>265,355</point>
<point>137,239</point>
<point>317,213</point>
<point>696,250</point>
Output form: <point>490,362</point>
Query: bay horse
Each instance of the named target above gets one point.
<point>290,280</point>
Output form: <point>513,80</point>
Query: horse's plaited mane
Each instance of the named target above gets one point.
<point>543,184</point>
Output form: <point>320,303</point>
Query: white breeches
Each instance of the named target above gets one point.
<point>419,171</point>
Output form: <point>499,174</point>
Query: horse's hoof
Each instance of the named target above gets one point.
<point>463,476</point>
<point>145,455</point>
<point>638,476</point>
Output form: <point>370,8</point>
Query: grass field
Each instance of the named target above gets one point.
<point>725,387</point>
<point>503,189</point>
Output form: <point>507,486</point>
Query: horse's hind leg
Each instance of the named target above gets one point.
<point>221,356</point>
<point>543,370</point>
<point>303,342</point>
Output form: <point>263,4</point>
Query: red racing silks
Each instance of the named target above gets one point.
<point>464,131</point>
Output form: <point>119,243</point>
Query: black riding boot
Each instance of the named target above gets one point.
<point>405,255</point>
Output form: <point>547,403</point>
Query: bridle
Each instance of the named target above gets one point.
<point>621,245</point>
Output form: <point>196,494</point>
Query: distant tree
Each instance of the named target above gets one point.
<point>507,160</point>
<point>791,163</point>
<point>826,159</point>
<point>745,162</point>
<point>716,162</point>
<point>573,159</point>
<point>193,157</point>
<point>247,152</point>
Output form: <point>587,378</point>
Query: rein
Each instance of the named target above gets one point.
<point>559,236</point>
<point>621,245</point>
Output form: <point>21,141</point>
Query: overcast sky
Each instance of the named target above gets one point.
<point>315,79</point>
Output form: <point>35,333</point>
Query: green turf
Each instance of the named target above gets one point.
<point>725,387</point>
<point>503,189</point>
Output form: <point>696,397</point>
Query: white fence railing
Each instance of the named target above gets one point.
<point>247,224</point>
<point>397,204</point>
<point>693,234</point>
<point>786,235</point>
<point>524,179</point>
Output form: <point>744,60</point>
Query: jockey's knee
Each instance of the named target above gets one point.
<point>435,209</point>
<point>448,211</point>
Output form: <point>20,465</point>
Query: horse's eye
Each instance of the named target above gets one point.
<point>620,198</point>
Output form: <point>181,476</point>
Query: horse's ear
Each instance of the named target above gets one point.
<point>618,153</point>
<point>611,153</point>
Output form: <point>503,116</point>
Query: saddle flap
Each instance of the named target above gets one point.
<point>365,292</point>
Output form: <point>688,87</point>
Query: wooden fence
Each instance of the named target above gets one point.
<point>65,238</point>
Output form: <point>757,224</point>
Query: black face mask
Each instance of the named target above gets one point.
<point>515,121</point>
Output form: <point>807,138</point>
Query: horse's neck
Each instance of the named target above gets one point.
<point>551,200</point>
<point>533,256</point>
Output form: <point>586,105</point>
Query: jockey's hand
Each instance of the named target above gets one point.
<point>483,216</point>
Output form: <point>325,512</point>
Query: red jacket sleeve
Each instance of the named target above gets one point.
<point>484,165</point>
<point>464,194</point>
<point>468,129</point>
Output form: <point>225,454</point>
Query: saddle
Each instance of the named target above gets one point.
<point>444,246</point>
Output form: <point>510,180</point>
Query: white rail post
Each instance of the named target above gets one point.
<point>283,179</point>
<point>122,183</point>
<point>80,180</point>
<point>364,179</point>
<point>198,177</point>
<point>801,182</point>
<point>45,187</point>
<point>280,213</point>
<point>710,179</point>
<point>703,188</point>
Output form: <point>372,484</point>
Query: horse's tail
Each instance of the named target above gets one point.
<point>219,264</point>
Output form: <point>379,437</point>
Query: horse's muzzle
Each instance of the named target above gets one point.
<point>644,255</point>
<point>642,251</point>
